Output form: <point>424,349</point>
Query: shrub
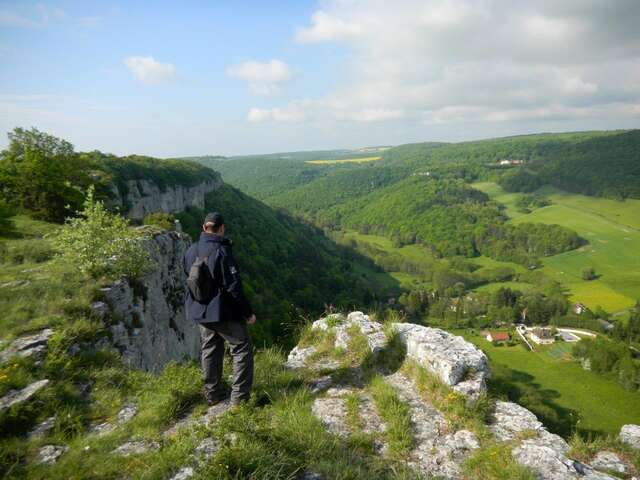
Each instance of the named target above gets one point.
<point>102,243</point>
<point>588,274</point>
<point>160,219</point>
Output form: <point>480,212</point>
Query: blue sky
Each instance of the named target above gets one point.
<point>194,78</point>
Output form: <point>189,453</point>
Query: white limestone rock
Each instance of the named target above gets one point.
<point>455,361</point>
<point>332,411</point>
<point>127,412</point>
<point>28,346</point>
<point>184,473</point>
<point>50,453</point>
<point>136,447</point>
<point>153,330</point>
<point>549,464</point>
<point>320,384</point>
<point>141,197</point>
<point>437,452</point>
<point>630,434</point>
<point>608,461</point>
<point>13,397</point>
<point>299,357</point>
<point>43,428</point>
<point>509,419</point>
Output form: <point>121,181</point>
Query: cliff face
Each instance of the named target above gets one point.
<point>148,324</point>
<point>141,197</point>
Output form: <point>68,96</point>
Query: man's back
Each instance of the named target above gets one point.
<point>229,304</point>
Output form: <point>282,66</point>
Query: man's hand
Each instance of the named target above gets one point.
<point>252,319</point>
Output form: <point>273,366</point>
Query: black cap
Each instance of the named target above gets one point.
<point>214,218</point>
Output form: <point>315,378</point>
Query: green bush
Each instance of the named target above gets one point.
<point>102,243</point>
<point>160,219</point>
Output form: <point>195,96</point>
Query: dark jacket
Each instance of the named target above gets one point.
<point>230,304</point>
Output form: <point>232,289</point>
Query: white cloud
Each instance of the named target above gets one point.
<point>148,70</point>
<point>263,78</point>
<point>327,27</point>
<point>291,114</point>
<point>456,62</point>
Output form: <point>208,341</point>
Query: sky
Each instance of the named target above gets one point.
<point>240,77</point>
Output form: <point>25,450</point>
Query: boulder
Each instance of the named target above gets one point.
<point>374,331</point>
<point>50,453</point>
<point>549,464</point>
<point>14,397</point>
<point>455,361</point>
<point>608,461</point>
<point>28,346</point>
<point>43,428</point>
<point>127,412</point>
<point>299,357</point>
<point>136,447</point>
<point>630,434</point>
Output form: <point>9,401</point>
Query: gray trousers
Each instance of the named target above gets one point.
<point>212,338</point>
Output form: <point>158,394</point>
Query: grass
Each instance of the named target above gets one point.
<point>564,395</point>
<point>613,231</point>
<point>395,414</point>
<point>343,160</point>
<point>496,463</point>
<point>460,413</point>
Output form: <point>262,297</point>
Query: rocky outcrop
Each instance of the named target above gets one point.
<point>136,447</point>
<point>148,324</point>
<point>50,453</point>
<point>13,397</point>
<point>455,361</point>
<point>140,197</point>
<point>609,462</point>
<point>34,346</point>
<point>630,434</point>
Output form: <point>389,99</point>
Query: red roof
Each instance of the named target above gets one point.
<point>500,336</point>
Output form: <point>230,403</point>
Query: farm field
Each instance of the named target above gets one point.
<point>601,405</point>
<point>343,160</point>
<point>612,248</point>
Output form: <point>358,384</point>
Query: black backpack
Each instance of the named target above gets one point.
<point>201,280</point>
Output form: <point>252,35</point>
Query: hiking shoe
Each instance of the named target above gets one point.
<point>216,397</point>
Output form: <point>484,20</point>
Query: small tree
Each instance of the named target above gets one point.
<point>102,243</point>
<point>163,220</point>
<point>588,274</point>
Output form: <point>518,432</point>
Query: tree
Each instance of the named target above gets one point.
<point>588,273</point>
<point>42,174</point>
<point>101,243</point>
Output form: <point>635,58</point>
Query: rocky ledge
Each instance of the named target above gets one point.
<point>147,321</point>
<point>140,197</point>
<point>439,447</point>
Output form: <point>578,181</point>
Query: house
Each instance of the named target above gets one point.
<point>498,336</point>
<point>579,308</point>
<point>542,336</point>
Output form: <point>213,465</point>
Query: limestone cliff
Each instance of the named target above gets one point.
<point>147,320</point>
<point>137,198</point>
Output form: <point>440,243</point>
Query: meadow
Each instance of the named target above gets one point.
<point>582,399</point>
<point>612,229</point>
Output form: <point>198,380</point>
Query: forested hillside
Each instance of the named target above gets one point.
<point>290,270</point>
<point>46,177</point>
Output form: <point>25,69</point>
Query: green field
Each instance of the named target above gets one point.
<point>613,231</point>
<point>602,405</point>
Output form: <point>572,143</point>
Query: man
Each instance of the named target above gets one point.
<point>224,317</point>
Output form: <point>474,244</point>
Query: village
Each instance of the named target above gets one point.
<point>541,335</point>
